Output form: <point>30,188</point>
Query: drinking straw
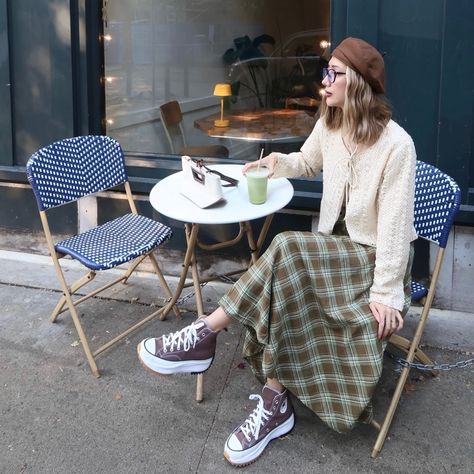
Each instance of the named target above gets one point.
<point>259,160</point>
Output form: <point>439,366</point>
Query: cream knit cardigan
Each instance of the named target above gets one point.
<point>377,184</point>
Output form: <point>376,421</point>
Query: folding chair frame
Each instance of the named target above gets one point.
<point>412,347</point>
<point>413,352</point>
<point>67,302</point>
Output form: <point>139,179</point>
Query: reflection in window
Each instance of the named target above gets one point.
<point>159,51</point>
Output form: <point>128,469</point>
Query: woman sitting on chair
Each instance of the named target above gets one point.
<point>318,307</point>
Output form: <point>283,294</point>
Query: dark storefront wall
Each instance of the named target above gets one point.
<point>428,46</point>
<point>44,96</point>
<point>55,71</point>
<point>50,70</point>
<point>55,92</point>
<point>5,103</point>
<point>39,37</point>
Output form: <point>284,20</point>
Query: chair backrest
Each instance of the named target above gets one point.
<point>437,200</point>
<point>75,167</point>
<point>172,118</point>
<point>171,113</point>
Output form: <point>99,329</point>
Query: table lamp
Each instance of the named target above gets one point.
<point>222,90</point>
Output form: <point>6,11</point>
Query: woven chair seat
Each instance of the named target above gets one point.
<point>418,291</point>
<point>115,242</point>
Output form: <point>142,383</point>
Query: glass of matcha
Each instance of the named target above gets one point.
<point>257,179</point>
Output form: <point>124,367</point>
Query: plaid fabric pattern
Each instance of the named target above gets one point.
<point>309,325</point>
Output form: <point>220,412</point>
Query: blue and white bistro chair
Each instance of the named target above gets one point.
<point>71,169</point>
<point>437,200</point>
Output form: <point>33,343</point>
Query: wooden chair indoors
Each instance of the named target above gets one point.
<point>73,168</point>
<point>437,200</point>
<point>172,118</point>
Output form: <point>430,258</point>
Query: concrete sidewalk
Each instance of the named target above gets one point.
<point>57,418</point>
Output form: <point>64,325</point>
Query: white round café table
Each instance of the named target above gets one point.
<point>165,197</point>
<point>167,200</point>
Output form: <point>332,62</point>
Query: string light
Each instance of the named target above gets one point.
<point>108,79</point>
<point>324,44</point>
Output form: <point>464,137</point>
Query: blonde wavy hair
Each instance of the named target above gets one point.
<point>365,114</point>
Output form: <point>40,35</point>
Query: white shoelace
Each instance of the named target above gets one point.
<point>251,426</point>
<point>181,340</point>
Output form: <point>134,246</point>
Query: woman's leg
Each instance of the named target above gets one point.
<point>273,417</point>
<point>192,348</point>
<point>189,350</point>
<point>218,320</point>
<point>185,350</point>
<point>275,385</point>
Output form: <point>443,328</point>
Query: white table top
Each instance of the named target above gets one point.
<point>167,200</point>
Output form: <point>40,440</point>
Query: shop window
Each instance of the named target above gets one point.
<point>270,52</point>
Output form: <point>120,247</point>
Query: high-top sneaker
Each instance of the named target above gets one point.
<point>191,349</point>
<point>272,418</point>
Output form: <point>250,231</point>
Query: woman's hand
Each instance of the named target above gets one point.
<point>269,161</point>
<point>390,320</point>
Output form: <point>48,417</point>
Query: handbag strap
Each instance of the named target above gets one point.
<point>230,181</point>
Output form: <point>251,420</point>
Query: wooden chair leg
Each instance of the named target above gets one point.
<point>376,425</point>
<point>390,413</point>
<point>412,350</point>
<point>77,321</point>
<point>163,282</point>
<point>68,297</point>
<point>131,268</point>
<point>83,339</point>
<point>88,277</point>
<point>404,345</point>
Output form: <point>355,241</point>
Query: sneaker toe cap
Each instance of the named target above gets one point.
<point>233,443</point>
<point>149,345</point>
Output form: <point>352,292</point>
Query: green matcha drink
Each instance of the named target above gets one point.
<point>257,185</point>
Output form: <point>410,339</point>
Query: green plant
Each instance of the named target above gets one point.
<point>247,54</point>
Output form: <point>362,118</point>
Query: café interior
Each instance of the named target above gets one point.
<point>212,78</point>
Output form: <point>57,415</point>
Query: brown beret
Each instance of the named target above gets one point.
<point>363,58</point>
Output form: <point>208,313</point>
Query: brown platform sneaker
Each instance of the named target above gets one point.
<point>190,350</point>
<point>272,418</point>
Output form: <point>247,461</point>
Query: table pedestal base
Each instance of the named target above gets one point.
<point>190,261</point>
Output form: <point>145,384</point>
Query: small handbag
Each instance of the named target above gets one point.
<point>202,185</point>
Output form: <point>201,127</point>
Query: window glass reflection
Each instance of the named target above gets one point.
<point>158,52</point>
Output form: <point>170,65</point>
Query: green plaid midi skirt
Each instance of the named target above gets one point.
<point>305,307</point>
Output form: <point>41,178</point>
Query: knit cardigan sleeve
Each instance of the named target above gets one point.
<point>306,162</point>
<point>394,227</point>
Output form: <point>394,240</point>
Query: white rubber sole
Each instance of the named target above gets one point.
<point>165,367</point>
<point>243,458</point>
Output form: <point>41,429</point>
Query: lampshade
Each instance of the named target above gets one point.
<point>222,90</point>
